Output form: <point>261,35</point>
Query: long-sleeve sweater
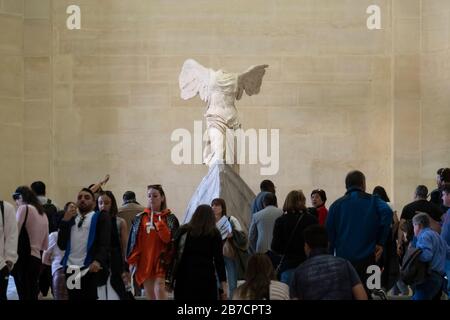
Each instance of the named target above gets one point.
<point>356,223</point>
<point>8,235</point>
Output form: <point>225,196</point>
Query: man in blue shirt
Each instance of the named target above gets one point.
<point>434,251</point>
<point>265,187</point>
<point>358,225</point>
<point>445,231</point>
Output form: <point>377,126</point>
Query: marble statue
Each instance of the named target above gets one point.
<point>219,89</point>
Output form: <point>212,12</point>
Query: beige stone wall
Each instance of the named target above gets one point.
<point>38,115</point>
<point>435,89</point>
<point>117,101</point>
<point>342,96</point>
<point>406,99</point>
<point>421,94</point>
<point>11,96</point>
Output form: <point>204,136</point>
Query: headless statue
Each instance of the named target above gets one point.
<point>219,89</point>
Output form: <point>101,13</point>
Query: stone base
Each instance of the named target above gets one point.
<point>223,182</point>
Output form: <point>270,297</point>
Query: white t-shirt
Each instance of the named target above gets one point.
<point>78,240</point>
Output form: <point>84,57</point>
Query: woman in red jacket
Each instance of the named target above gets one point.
<point>318,199</point>
<point>150,235</point>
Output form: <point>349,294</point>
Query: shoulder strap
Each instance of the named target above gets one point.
<point>26,216</point>
<point>291,238</point>
<point>2,209</point>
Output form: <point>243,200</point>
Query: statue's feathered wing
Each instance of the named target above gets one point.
<point>193,80</point>
<point>250,81</point>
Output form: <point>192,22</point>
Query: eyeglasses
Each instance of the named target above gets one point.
<point>16,196</point>
<point>80,223</point>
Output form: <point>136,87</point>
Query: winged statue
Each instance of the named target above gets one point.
<point>219,89</point>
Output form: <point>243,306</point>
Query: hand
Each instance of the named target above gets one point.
<point>95,267</point>
<point>126,278</point>
<point>70,213</point>
<point>9,264</point>
<point>158,225</point>
<point>378,252</point>
<point>104,181</point>
<point>399,250</point>
<point>224,291</point>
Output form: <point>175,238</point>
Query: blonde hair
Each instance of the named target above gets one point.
<point>295,201</point>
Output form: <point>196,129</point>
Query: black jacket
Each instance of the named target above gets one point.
<point>100,248</point>
<point>282,233</point>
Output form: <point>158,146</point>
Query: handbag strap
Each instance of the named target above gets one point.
<point>290,240</point>
<point>26,217</point>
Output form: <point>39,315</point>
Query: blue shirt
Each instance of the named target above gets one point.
<point>356,223</point>
<point>258,202</point>
<point>445,231</point>
<point>434,249</point>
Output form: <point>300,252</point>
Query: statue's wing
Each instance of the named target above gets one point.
<point>193,80</point>
<point>251,80</point>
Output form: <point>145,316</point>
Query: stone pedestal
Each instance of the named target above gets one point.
<point>223,182</point>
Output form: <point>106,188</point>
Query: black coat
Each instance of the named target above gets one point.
<point>282,233</point>
<point>196,273</point>
<point>100,249</point>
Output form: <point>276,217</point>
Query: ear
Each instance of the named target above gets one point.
<point>307,249</point>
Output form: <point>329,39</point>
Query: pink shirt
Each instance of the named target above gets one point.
<point>37,228</point>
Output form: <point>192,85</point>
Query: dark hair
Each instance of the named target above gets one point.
<point>129,196</point>
<point>267,185</point>
<point>88,191</point>
<point>316,237</point>
<point>446,188</point>
<point>270,199</point>
<point>321,194</point>
<point>295,201</point>
<point>445,175</point>
<point>379,191</point>
<point>38,188</point>
<point>203,222</point>
<point>355,179</point>
<point>408,228</point>
<point>114,211</point>
<point>439,171</point>
<point>57,218</point>
<point>66,206</point>
<point>220,202</point>
<point>258,275</point>
<point>421,191</point>
<point>159,188</point>
<point>29,197</point>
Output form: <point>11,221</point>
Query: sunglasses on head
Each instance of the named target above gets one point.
<point>80,223</point>
<point>16,196</point>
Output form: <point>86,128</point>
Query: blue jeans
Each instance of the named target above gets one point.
<point>447,271</point>
<point>429,288</point>
<point>287,275</point>
<point>231,269</point>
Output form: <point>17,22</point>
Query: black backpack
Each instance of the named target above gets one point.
<point>51,212</point>
<point>413,271</point>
